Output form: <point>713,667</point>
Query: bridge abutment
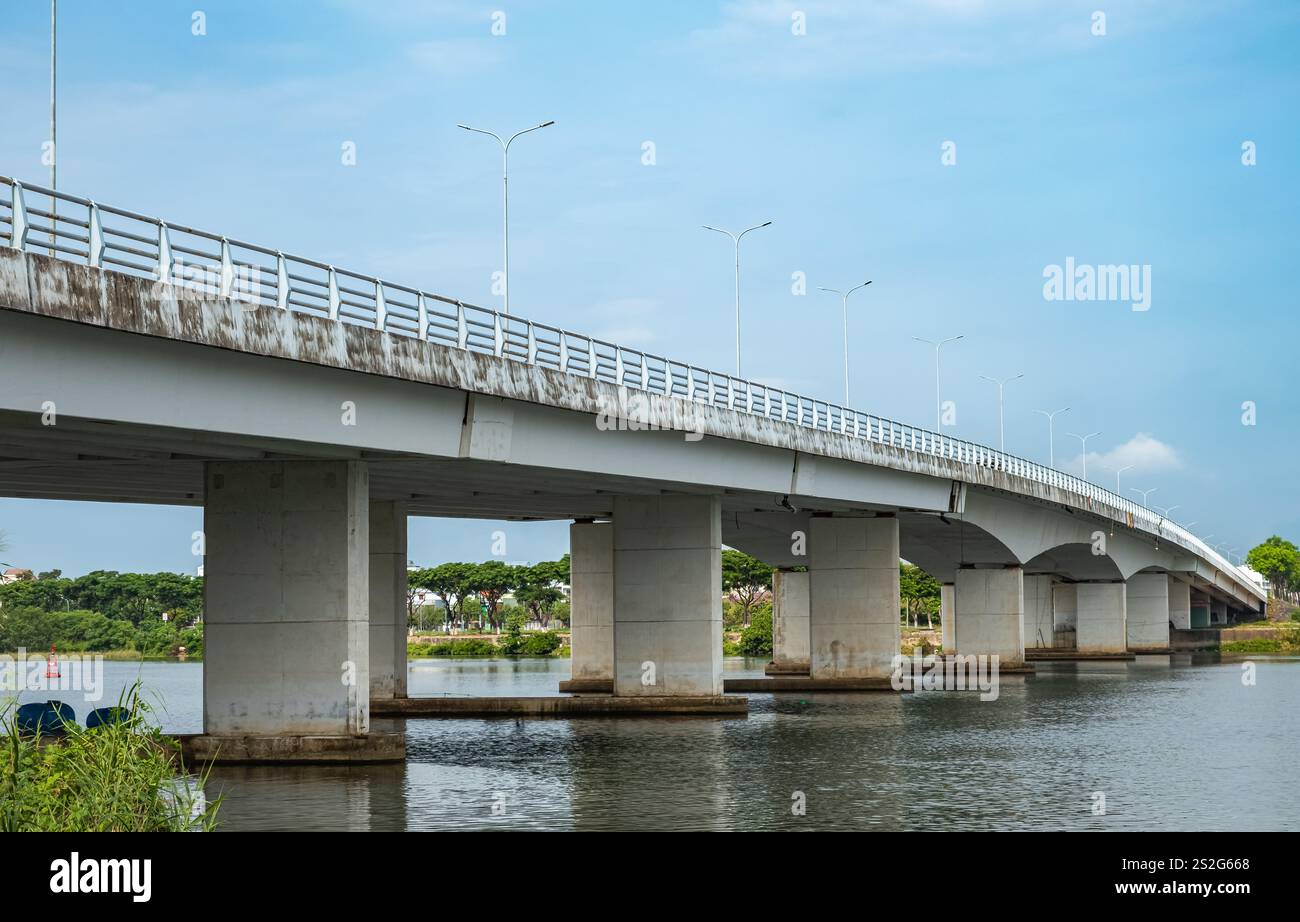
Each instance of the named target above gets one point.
<point>989,618</point>
<point>1102,617</point>
<point>667,596</point>
<point>789,623</point>
<point>853,597</point>
<point>388,582</point>
<point>1147,612</point>
<point>286,673</point>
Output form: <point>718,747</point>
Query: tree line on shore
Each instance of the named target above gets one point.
<point>153,613</point>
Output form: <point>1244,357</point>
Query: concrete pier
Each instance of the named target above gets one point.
<point>852,596</point>
<point>1147,612</point>
<point>946,635</point>
<point>989,614</point>
<point>388,584</point>
<point>1180,604</point>
<point>1102,618</point>
<point>667,596</point>
<point>1040,629</point>
<point>286,600</point>
<point>591,612</point>
<point>789,623</point>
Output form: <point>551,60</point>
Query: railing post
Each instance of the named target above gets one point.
<point>618,366</point>
<point>532,344</point>
<point>690,383</point>
<point>18,230</point>
<point>164,254</point>
<point>564,352</point>
<point>591,357</point>
<point>422,313</point>
<point>95,256</point>
<point>645,374</point>
<point>381,306</point>
<point>227,270</point>
<point>333,294</point>
<point>282,284</point>
<point>462,328</point>
<point>498,336</point>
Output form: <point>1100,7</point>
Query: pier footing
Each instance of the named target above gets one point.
<point>587,706</point>
<point>200,748</point>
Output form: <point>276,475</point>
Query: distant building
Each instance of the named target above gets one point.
<point>15,574</point>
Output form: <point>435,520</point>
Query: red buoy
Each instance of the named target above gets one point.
<point>52,664</point>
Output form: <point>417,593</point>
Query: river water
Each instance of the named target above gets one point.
<point>1171,743</point>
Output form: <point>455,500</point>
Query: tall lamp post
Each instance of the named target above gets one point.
<point>938,401</point>
<point>1002,432</point>
<point>505,195</point>
<point>1083,441</point>
<point>736,240</point>
<point>844,299</point>
<point>1051,435</point>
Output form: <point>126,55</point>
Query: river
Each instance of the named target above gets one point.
<point>1171,743</point>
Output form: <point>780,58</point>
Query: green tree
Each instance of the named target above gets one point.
<point>1278,561</point>
<point>491,580</point>
<point>537,590</point>
<point>745,579</point>
<point>449,582</point>
<point>919,593</point>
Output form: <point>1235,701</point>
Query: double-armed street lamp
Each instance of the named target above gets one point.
<point>1001,383</point>
<point>1083,441</point>
<point>1051,434</point>
<point>938,401</point>
<point>844,299</point>
<point>735,238</point>
<point>505,197</point>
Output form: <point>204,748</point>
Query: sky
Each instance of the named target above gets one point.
<point>952,151</point>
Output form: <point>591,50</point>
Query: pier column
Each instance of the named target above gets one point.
<point>989,617</point>
<point>667,595</point>
<point>946,623</point>
<point>1039,620</point>
<point>388,584</point>
<point>1218,612</point>
<point>1146,605</point>
<point>286,599</point>
<point>1102,617</point>
<point>789,623</point>
<point>1180,604</point>
<point>591,604</point>
<point>853,605</point>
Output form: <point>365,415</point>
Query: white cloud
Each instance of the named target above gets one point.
<point>1144,452</point>
<point>452,57</point>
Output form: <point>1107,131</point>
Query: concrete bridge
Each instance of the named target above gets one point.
<point>309,410</point>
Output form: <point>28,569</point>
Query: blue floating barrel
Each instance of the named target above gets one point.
<point>45,718</point>
<point>101,717</point>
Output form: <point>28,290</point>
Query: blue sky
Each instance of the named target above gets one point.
<point>1122,148</point>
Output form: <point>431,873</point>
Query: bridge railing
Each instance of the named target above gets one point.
<point>38,219</point>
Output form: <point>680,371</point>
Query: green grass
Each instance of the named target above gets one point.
<point>117,778</point>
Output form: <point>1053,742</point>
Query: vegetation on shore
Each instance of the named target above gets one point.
<point>103,611</point>
<point>119,777</point>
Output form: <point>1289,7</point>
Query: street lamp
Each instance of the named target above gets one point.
<point>736,240</point>
<point>505,195</point>
<point>844,298</point>
<point>938,403</point>
<point>1002,434</point>
<point>1127,467</point>
<point>1051,435</point>
<point>1083,441</point>
<point>1165,511</point>
<point>1145,494</point>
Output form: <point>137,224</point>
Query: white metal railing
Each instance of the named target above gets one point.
<point>38,219</point>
